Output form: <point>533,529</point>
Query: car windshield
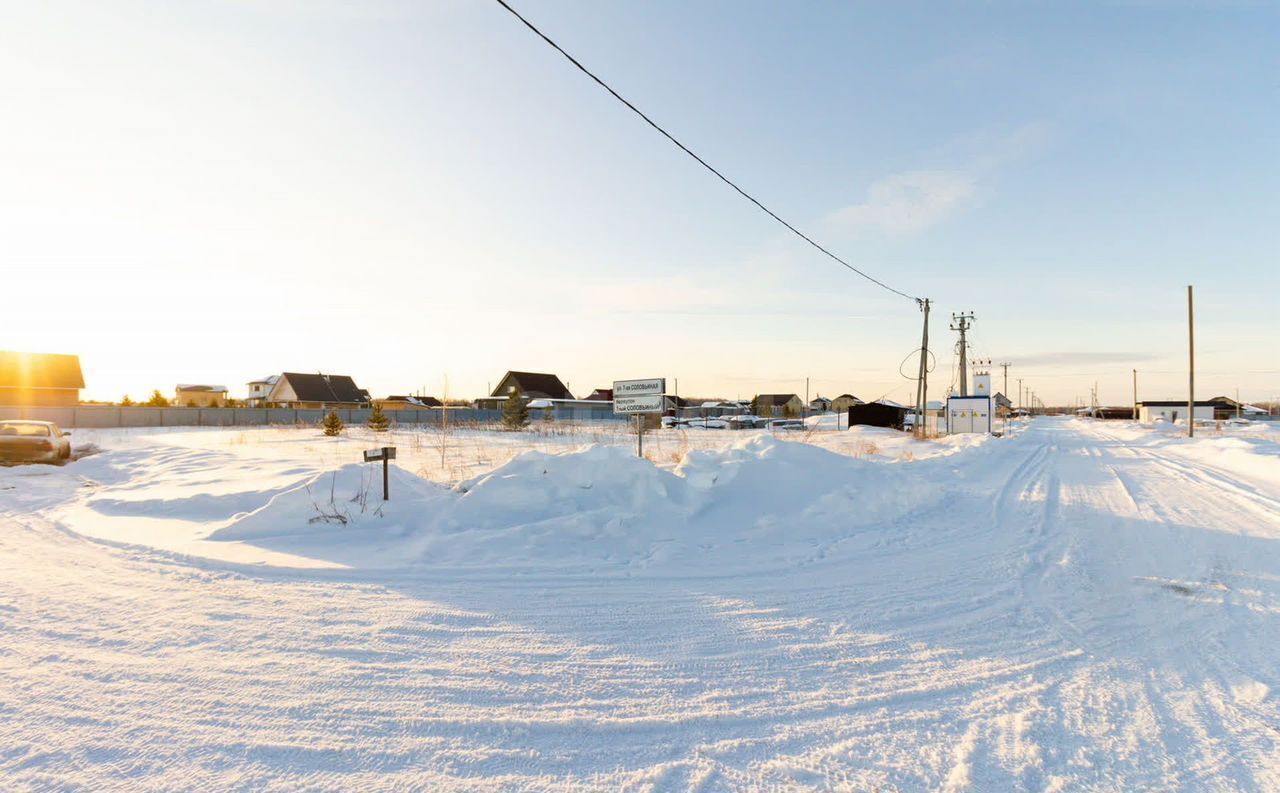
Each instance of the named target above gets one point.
<point>25,430</point>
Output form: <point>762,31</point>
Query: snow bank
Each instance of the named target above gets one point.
<point>598,505</point>
<point>759,501</point>
<point>759,481</point>
<point>350,497</point>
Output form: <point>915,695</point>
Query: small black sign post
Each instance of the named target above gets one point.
<point>384,454</point>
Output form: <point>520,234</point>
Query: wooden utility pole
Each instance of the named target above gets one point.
<point>1135,394</point>
<point>1191,372</point>
<point>1005,390</point>
<point>922,384</point>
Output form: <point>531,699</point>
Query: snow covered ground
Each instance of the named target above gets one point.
<point>1078,606</point>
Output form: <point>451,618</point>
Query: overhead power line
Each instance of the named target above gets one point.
<point>700,161</point>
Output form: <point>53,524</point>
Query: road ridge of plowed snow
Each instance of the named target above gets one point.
<point>757,502</point>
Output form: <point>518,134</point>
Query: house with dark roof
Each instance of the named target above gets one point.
<point>298,390</point>
<point>778,405</point>
<point>47,380</point>
<point>536,385</point>
<point>600,395</point>
<point>531,385</point>
<point>842,403</point>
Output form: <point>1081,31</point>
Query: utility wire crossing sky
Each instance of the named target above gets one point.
<point>700,161</point>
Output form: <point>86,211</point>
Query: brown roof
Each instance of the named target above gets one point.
<point>40,370</point>
<point>325,388</point>
<point>601,395</point>
<point>776,399</point>
<point>535,384</point>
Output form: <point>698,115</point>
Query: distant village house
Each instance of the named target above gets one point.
<point>40,379</point>
<point>200,396</point>
<point>259,390</point>
<point>1219,408</point>
<point>842,403</point>
<point>311,391</point>
<point>531,385</point>
<point>778,405</point>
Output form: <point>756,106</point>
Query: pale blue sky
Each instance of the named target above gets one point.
<point>408,191</point>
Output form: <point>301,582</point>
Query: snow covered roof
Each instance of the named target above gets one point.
<point>268,380</point>
<point>550,403</point>
<point>201,387</point>
<point>420,401</point>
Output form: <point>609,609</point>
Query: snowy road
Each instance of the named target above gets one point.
<point>1089,608</point>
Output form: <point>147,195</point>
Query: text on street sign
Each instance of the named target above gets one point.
<point>637,404</point>
<point>632,388</point>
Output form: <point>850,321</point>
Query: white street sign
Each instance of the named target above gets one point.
<point>637,404</point>
<point>632,388</point>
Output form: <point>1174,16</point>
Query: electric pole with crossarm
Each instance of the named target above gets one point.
<point>961,323</point>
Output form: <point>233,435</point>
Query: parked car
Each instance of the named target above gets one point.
<point>33,441</point>
<point>786,424</point>
<point>694,423</point>
<point>745,422</point>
